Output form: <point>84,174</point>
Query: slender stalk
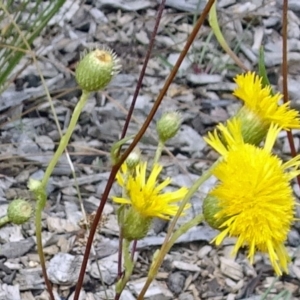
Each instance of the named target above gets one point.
<point>41,194</point>
<point>285,73</point>
<point>214,24</point>
<point>4,220</point>
<point>38,233</point>
<point>129,264</point>
<point>168,239</point>
<point>146,60</point>
<point>65,138</point>
<point>132,105</point>
<point>158,152</point>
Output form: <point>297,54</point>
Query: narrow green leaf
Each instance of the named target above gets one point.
<point>262,68</point>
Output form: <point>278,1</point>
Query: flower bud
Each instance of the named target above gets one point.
<point>34,184</point>
<point>254,130</point>
<point>210,208</point>
<point>134,226</point>
<point>19,211</point>
<point>96,69</point>
<point>168,125</point>
<point>133,158</point>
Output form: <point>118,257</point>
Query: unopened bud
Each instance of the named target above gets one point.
<point>254,130</point>
<point>96,69</point>
<point>210,208</point>
<point>168,125</point>
<point>19,211</point>
<point>133,158</point>
<point>134,225</point>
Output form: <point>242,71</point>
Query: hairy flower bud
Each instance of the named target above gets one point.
<point>19,211</point>
<point>254,130</point>
<point>210,208</point>
<point>134,225</point>
<point>133,158</point>
<point>96,69</point>
<point>168,125</point>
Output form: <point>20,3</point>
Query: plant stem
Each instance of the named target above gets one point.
<point>169,240</point>
<point>213,22</point>
<point>178,233</point>
<point>285,73</point>
<point>41,191</point>
<point>65,138</point>
<point>38,233</point>
<point>128,266</point>
<point>4,220</point>
<point>158,152</point>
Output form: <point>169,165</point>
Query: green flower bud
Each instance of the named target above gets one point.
<point>134,225</point>
<point>19,211</point>
<point>168,125</point>
<point>210,208</point>
<point>34,184</point>
<point>96,69</point>
<point>254,130</point>
<point>133,158</point>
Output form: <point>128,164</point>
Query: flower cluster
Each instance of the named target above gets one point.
<point>143,197</point>
<point>253,200</point>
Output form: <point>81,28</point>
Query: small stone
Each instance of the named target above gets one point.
<point>186,63</point>
<point>231,269</point>
<point>45,142</point>
<point>176,282</point>
<point>64,269</point>
<point>186,296</point>
<point>26,145</point>
<point>108,269</point>
<point>180,265</point>
<point>142,37</point>
<point>33,264</point>
<point>155,291</point>
<point>203,252</point>
<point>204,78</point>
<point>294,238</point>
<point>296,271</point>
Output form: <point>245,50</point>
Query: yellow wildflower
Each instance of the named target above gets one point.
<point>260,101</point>
<point>145,194</point>
<point>255,197</point>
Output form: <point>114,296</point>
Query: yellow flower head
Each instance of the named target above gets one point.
<point>255,197</point>
<point>225,137</point>
<point>145,194</point>
<point>260,101</point>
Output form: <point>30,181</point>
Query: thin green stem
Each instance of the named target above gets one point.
<point>183,229</point>
<point>41,190</point>
<point>214,24</point>
<point>158,152</point>
<point>65,138</point>
<point>4,220</point>
<point>128,266</point>
<point>38,233</point>
<point>166,246</point>
<point>176,235</point>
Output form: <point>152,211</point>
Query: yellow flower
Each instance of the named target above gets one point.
<point>227,136</point>
<point>255,196</point>
<point>260,101</point>
<point>145,194</point>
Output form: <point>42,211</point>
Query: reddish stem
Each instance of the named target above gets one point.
<point>285,73</point>
<point>130,111</point>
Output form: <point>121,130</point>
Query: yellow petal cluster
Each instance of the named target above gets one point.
<point>145,193</point>
<point>261,102</point>
<point>254,193</point>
